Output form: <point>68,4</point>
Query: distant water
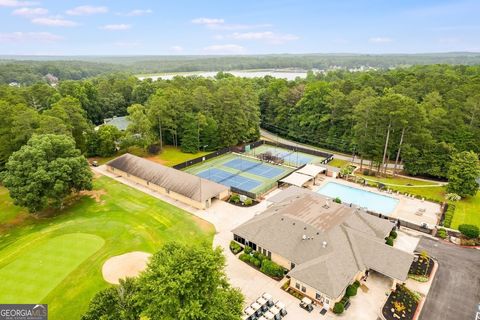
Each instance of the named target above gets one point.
<point>289,75</point>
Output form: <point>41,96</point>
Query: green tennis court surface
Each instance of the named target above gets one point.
<point>290,157</point>
<point>242,172</point>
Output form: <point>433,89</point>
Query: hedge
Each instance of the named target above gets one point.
<point>271,269</point>
<point>449,215</point>
<point>442,233</point>
<point>338,308</point>
<point>469,230</point>
<point>351,290</point>
<point>389,241</point>
<point>393,234</point>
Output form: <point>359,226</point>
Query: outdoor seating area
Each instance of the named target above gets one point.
<point>265,309</point>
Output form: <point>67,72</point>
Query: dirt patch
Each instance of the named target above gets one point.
<point>123,266</point>
<point>94,194</point>
<point>158,160</point>
<point>19,219</point>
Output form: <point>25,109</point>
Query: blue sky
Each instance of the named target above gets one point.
<point>174,27</point>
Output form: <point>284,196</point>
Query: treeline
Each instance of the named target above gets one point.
<point>33,70</point>
<point>30,72</point>
<point>419,116</point>
<point>194,113</point>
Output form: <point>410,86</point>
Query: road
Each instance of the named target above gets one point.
<point>455,291</point>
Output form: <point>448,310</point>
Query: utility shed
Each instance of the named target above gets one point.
<point>187,188</point>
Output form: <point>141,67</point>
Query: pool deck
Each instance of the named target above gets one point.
<point>406,209</point>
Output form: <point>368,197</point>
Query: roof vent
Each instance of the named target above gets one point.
<point>304,228</point>
<point>304,237</point>
<point>281,219</point>
<point>324,244</point>
<point>318,233</point>
<point>293,223</point>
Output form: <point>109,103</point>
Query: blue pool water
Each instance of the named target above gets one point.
<point>374,202</point>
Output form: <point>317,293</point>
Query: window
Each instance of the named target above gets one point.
<point>297,285</point>
<point>327,301</point>
<point>292,265</point>
<point>304,289</point>
<point>269,255</point>
<point>318,296</point>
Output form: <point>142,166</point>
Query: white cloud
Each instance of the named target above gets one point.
<point>86,10</point>
<point>30,12</point>
<point>136,13</point>
<point>208,21</point>
<point>267,36</point>
<point>380,40</point>
<point>116,27</point>
<point>225,49</point>
<point>176,48</point>
<point>29,37</point>
<point>54,22</point>
<point>16,3</point>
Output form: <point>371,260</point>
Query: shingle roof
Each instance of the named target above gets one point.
<point>180,182</point>
<point>297,226</point>
<point>120,122</point>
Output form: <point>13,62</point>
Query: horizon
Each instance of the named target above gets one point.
<point>189,28</point>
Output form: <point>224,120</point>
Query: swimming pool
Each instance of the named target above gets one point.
<point>373,201</point>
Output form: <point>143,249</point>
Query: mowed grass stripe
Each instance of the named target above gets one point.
<point>127,219</point>
<point>40,268</point>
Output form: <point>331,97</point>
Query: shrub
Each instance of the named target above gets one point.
<point>272,269</point>
<point>351,290</point>
<point>338,308</point>
<point>337,200</point>
<point>259,256</point>
<point>248,202</point>
<point>244,257</point>
<point>248,249</point>
<point>235,247</point>
<point>356,283</point>
<point>389,241</point>
<point>393,234</point>
<point>256,262</point>
<point>235,198</point>
<point>449,215</point>
<point>469,230</point>
<point>442,233</point>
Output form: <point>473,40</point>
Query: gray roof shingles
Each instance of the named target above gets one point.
<point>354,240</point>
<point>180,182</point>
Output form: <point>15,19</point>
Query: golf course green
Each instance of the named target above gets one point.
<point>57,259</point>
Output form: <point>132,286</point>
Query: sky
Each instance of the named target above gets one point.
<point>177,27</point>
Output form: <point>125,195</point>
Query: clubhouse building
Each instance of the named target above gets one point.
<point>178,185</point>
<point>325,246</point>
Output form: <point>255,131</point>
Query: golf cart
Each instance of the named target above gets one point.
<point>306,304</point>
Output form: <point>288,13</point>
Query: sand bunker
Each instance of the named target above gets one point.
<point>123,266</point>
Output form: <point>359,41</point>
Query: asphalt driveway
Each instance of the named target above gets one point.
<point>455,291</point>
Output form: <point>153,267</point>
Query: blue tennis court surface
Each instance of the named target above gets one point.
<point>256,168</point>
<point>292,157</point>
<point>228,179</point>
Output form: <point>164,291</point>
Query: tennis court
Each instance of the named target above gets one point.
<point>228,179</point>
<point>290,157</point>
<point>243,172</point>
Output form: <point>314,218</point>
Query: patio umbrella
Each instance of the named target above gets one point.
<point>249,311</point>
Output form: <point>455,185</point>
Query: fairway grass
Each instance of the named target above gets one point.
<point>40,268</point>
<point>125,218</point>
<point>467,211</point>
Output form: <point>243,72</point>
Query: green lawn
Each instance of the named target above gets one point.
<point>170,155</point>
<point>339,163</point>
<point>467,211</point>
<point>411,186</point>
<point>69,274</point>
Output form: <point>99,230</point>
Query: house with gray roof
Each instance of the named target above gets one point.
<point>326,246</point>
<point>121,123</point>
<point>182,186</point>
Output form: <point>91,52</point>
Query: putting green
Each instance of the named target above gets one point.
<point>39,268</point>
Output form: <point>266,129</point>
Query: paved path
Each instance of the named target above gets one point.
<point>455,292</point>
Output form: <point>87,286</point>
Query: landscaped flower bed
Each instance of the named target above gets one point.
<point>421,269</point>
<point>401,304</point>
<point>262,263</point>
